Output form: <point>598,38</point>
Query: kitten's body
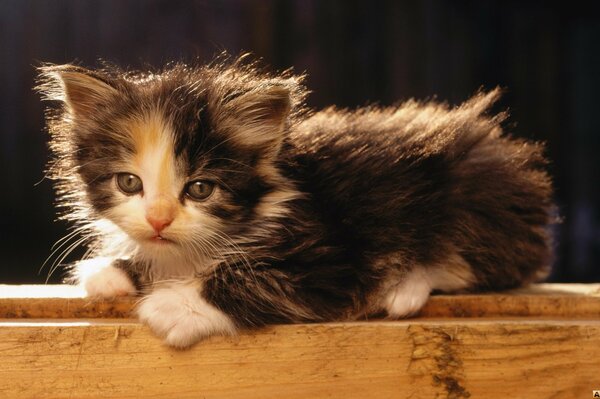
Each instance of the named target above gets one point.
<point>331,216</point>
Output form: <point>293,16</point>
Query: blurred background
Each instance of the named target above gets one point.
<point>546,56</point>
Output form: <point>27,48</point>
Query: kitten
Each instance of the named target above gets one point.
<point>213,193</point>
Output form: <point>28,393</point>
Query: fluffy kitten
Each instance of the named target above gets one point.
<point>215,194</point>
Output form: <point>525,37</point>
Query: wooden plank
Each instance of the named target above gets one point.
<point>543,300</point>
<point>461,346</point>
<point>417,358</point>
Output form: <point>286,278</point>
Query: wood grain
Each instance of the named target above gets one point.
<point>464,355</point>
<point>404,359</point>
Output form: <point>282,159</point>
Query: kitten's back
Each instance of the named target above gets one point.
<point>433,183</point>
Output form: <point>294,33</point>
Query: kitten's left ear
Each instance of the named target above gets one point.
<point>81,90</point>
<point>258,117</point>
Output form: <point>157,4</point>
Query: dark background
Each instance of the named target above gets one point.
<point>546,57</point>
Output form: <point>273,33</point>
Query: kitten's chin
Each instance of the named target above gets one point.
<point>159,249</point>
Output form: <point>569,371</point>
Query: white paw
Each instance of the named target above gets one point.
<point>100,279</point>
<point>178,314</point>
<point>409,296</point>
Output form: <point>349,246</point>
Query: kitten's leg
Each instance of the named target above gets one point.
<point>102,277</point>
<point>183,313</point>
<point>179,314</point>
<point>408,296</point>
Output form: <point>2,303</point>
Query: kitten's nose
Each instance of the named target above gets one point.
<point>160,213</point>
<point>159,224</point>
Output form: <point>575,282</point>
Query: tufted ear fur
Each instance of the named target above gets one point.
<point>257,118</point>
<point>81,90</point>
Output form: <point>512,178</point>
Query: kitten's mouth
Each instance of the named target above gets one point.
<point>158,239</point>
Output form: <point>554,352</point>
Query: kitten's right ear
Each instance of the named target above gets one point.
<point>80,89</point>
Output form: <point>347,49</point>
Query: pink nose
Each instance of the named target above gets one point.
<point>160,212</point>
<point>159,224</point>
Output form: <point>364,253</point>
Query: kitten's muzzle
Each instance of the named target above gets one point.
<point>160,213</point>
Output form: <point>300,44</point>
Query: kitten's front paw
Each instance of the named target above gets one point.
<point>100,279</point>
<point>179,315</point>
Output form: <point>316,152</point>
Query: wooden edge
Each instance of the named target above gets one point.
<point>544,300</point>
<point>416,358</point>
<point>66,308</point>
<point>559,306</point>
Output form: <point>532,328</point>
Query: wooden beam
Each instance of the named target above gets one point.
<point>404,359</point>
<point>68,356</point>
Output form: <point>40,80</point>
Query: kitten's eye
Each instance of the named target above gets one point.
<point>199,190</point>
<point>129,184</point>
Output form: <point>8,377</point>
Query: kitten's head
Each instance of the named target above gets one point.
<point>181,161</point>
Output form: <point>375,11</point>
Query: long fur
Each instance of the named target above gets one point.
<point>318,215</point>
